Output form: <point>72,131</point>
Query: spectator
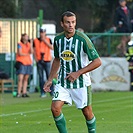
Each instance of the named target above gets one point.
<point>23,64</point>
<point>80,29</point>
<point>42,53</point>
<point>0,32</point>
<point>122,23</point>
<point>132,18</point>
<point>129,57</point>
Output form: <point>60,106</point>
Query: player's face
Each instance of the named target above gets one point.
<point>69,24</point>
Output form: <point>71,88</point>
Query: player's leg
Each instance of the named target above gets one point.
<point>83,98</point>
<point>61,96</point>
<point>88,113</point>
<point>59,118</point>
<point>90,119</point>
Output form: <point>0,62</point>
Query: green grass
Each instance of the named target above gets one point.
<point>113,111</point>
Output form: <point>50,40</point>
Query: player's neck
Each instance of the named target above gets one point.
<point>69,35</point>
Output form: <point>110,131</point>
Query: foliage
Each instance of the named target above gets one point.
<point>64,5</point>
<point>99,15</point>
<point>92,15</point>
<point>8,9</point>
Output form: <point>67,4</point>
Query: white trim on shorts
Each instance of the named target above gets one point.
<point>80,96</point>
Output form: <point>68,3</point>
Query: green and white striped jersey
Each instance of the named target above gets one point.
<point>74,53</point>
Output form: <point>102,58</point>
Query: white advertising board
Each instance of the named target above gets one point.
<point>112,75</point>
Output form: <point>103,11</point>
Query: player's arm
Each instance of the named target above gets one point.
<point>92,56</point>
<point>93,65</point>
<point>54,69</point>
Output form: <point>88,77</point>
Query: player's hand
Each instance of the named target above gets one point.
<point>72,76</point>
<point>47,86</point>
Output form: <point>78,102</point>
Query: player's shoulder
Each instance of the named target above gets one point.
<point>59,36</point>
<point>81,35</point>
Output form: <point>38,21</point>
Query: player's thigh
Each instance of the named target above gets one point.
<point>82,97</point>
<point>62,94</point>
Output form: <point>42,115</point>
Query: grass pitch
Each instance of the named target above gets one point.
<point>113,111</point>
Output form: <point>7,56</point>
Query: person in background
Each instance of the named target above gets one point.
<point>129,57</point>
<point>23,64</point>
<point>75,56</point>
<point>43,57</point>
<point>0,32</point>
<point>80,29</point>
<point>132,18</point>
<point>122,22</point>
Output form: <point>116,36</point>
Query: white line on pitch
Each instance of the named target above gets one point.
<point>39,110</point>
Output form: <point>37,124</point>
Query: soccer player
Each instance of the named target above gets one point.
<point>75,56</point>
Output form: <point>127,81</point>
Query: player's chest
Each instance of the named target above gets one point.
<point>74,45</point>
<point>70,49</point>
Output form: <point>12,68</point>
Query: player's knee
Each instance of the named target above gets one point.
<point>87,111</point>
<point>56,111</point>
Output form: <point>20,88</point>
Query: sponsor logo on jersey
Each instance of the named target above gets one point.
<point>67,55</point>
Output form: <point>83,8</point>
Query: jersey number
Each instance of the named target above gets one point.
<point>56,94</point>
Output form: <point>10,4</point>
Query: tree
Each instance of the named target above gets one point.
<point>92,15</point>
<point>9,9</point>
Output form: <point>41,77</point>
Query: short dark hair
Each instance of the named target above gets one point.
<point>68,14</point>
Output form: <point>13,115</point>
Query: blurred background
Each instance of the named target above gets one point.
<point>95,17</point>
<point>92,15</point>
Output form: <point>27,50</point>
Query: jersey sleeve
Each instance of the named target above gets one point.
<point>90,50</point>
<point>56,52</point>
